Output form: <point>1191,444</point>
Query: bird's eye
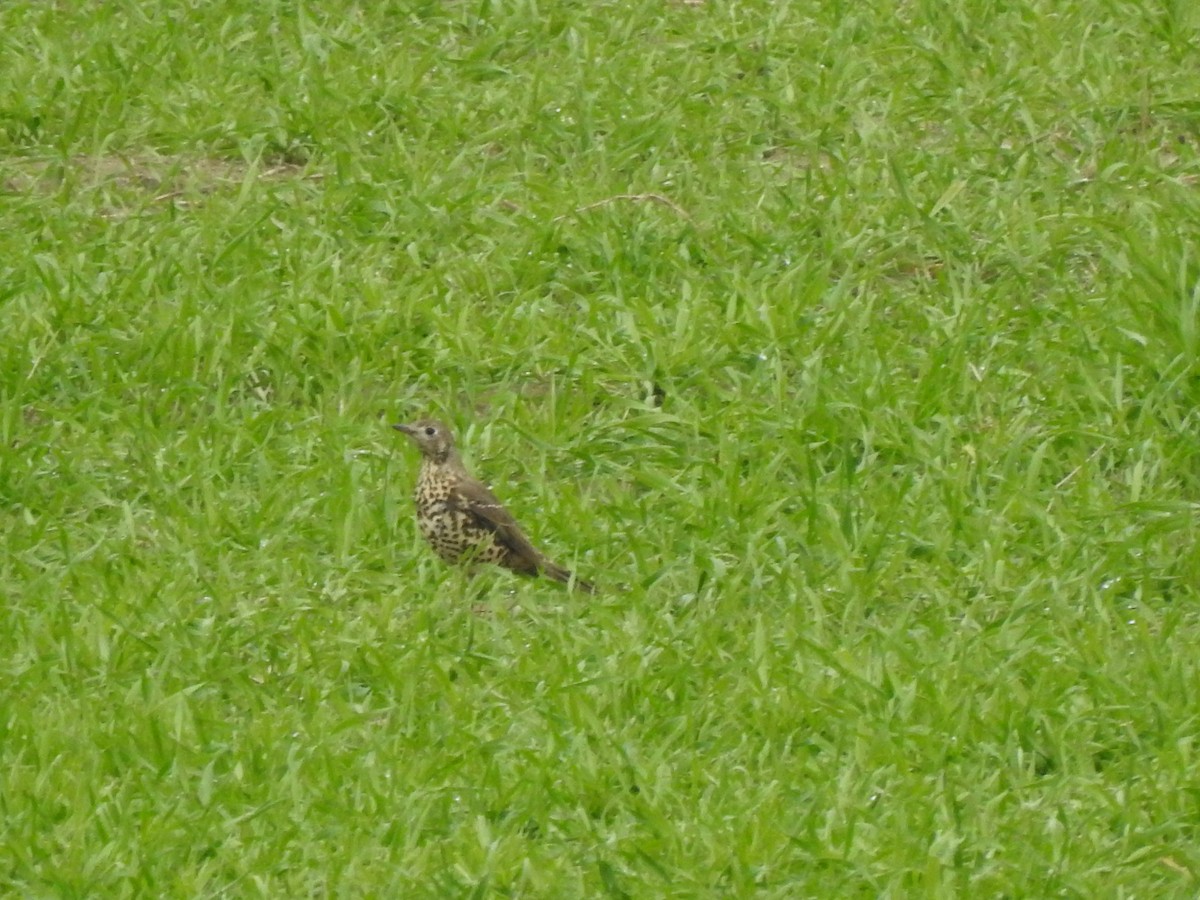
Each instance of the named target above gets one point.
<point>430,430</point>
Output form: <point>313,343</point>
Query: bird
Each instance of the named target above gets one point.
<point>461,518</point>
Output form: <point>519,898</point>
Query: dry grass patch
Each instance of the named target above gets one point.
<point>126,182</point>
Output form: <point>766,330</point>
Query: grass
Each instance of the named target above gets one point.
<point>860,344</point>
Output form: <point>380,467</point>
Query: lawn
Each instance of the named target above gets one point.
<point>852,350</point>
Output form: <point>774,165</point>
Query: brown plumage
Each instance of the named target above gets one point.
<point>462,520</point>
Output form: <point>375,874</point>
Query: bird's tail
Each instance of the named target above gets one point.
<point>558,573</point>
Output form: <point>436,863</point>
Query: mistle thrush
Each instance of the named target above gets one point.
<point>463,521</point>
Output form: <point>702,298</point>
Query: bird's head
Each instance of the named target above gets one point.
<point>432,438</point>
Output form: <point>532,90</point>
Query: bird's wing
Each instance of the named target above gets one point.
<point>474,498</point>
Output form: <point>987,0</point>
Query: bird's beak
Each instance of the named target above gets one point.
<point>407,429</point>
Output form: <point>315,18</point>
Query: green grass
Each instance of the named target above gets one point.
<point>858,341</point>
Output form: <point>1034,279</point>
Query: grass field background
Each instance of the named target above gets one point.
<point>858,342</point>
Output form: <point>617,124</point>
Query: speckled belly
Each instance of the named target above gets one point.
<point>456,537</point>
